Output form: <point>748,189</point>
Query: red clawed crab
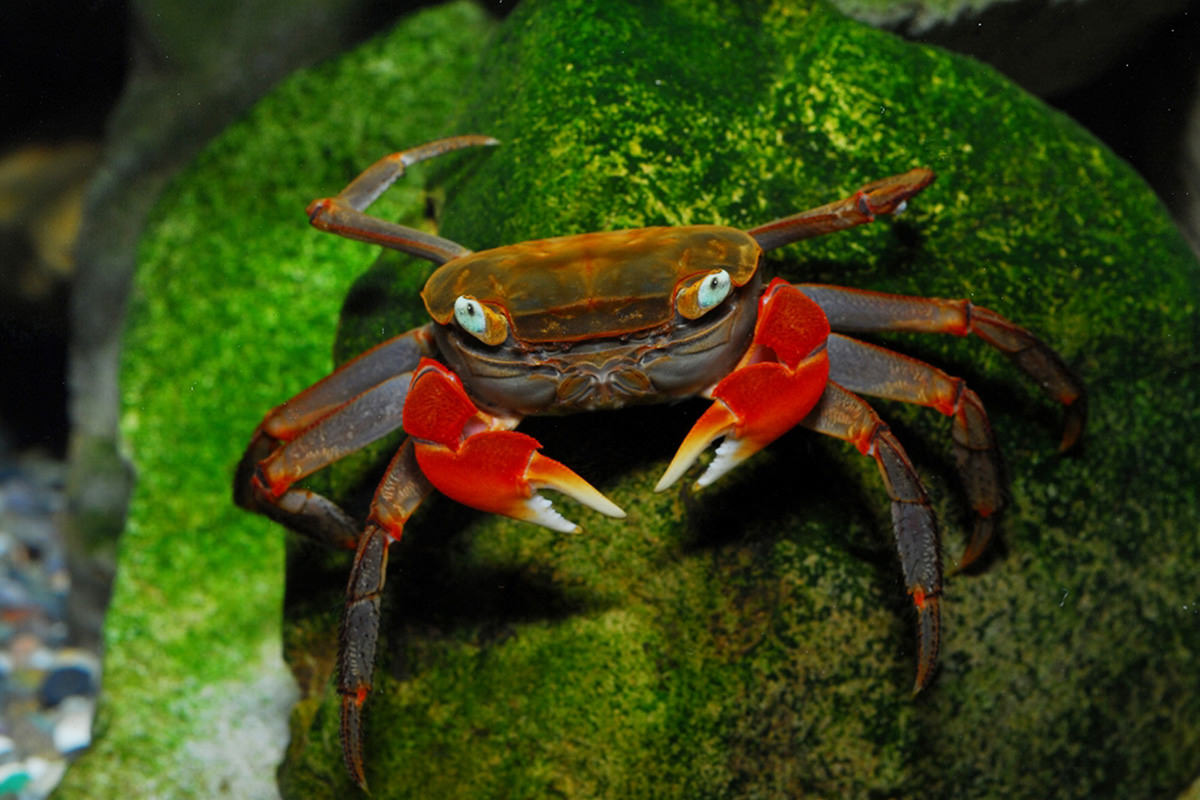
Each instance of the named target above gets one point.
<point>605,320</point>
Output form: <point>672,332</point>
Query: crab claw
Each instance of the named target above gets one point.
<point>780,381</point>
<point>716,422</point>
<point>498,471</point>
<point>547,473</point>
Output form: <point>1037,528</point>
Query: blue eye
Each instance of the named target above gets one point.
<point>470,315</point>
<point>713,289</point>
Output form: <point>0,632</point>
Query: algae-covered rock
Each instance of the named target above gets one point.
<point>753,639</point>
<point>196,694</point>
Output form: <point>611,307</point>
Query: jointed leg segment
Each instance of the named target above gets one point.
<point>371,368</point>
<point>317,427</point>
<point>343,213</point>
<point>845,416</point>
<point>370,416</point>
<point>885,196</point>
<point>401,491</point>
<point>871,370</point>
<point>865,311</point>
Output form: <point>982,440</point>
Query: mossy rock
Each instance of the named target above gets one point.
<point>753,639</point>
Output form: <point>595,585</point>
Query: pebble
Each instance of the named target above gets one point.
<point>73,731</point>
<point>13,778</point>
<point>47,689</point>
<point>72,672</point>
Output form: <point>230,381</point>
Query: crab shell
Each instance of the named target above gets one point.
<point>599,320</point>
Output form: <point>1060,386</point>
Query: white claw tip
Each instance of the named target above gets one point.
<point>605,506</point>
<point>585,494</point>
<point>679,465</point>
<point>541,511</point>
<point>724,460</point>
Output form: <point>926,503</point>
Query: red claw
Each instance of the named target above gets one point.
<point>779,381</point>
<point>437,408</point>
<point>466,458</point>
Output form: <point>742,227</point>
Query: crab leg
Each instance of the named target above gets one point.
<point>861,310</point>
<point>470,456</point>
<point>872,370</point>
<point>401,491</point>
<point>385,360</point>
<point>842,414</point>
<point>885,196</point>
<point>343,214</point>
<point>373,414</point>
<point>475,458</point>
<point>354,405</point>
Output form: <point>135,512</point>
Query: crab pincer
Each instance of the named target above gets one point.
<point>778,381</point>
<point>465,457</point>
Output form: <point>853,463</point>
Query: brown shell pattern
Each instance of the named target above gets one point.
<point>592,285</point>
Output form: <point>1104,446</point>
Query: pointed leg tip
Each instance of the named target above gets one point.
<point>923,679</point>
<point>929,635</point>
<point>966,560</point>
<point>981,536</point>
<point>352,742</point>
<point>1074,422</point>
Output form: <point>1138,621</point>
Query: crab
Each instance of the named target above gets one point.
<point>606,320</point>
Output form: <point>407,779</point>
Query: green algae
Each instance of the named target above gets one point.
<point>752,639</point>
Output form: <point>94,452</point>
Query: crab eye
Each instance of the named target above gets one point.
<point>713,289</point>
<point>469,314</point>
<point>486,325</point>
<point>699,297</point>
